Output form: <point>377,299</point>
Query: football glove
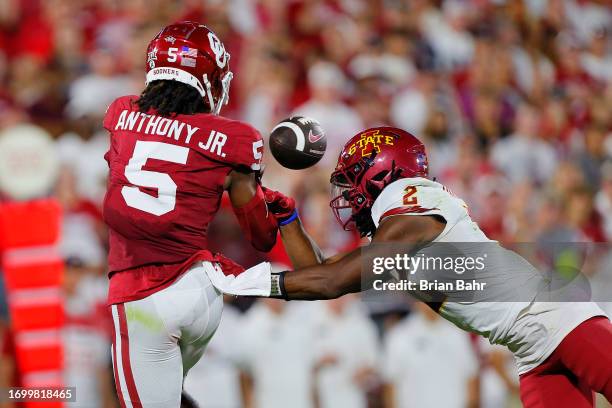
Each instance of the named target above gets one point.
<point>281,206</point>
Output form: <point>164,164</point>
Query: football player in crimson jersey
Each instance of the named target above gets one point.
<point>171,158</point>
<point>562,349</point>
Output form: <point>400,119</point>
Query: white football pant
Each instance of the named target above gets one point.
<point>159,338</point>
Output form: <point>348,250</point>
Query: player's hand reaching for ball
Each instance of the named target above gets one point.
<point>302,250</point>
<point>281,206</point>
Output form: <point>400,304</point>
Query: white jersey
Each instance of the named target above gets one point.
<point>530,329</point>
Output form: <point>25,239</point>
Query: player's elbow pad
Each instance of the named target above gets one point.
<point>257,223</point>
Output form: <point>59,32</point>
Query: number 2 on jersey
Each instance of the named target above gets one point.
<point>166,187</point>
<point>409,195</point>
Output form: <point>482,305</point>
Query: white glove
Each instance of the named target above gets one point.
<point>255,281</point>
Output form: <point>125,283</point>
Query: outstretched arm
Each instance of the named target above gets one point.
<point>301,248</point>
<point>331,280</point>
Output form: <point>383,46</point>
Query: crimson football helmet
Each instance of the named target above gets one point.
<point>191,53</point>
<point>369,162</point>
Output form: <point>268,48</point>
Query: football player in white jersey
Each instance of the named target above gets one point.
<point>563,349</point>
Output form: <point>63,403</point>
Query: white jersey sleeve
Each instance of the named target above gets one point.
<point>420,196</point>
<point>415,196</point>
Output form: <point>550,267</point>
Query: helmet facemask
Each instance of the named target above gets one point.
<point>349,204</point>
<point>348,195</point>
<point>223,99</point>
<point>341,206</point>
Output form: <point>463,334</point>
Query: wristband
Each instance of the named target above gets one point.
<point>289,220</point>
<point>277,288</point>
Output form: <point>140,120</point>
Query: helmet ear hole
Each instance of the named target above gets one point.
<point>380,175</point>
<point>375,185</point>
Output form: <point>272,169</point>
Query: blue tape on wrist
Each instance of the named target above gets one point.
<point>289,220</point>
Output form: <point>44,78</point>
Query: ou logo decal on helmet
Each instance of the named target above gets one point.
<point>217,47</point>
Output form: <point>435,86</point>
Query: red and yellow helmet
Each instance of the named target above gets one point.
<point>369,162</point>
<point>191,53</point>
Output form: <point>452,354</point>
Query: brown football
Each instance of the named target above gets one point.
<point>298,142</point>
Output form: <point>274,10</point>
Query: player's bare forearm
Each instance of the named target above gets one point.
<point>301,248</point>
<point>334,279</point>
<point>327,280</point>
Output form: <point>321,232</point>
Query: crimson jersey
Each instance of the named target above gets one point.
<point>165,186</point>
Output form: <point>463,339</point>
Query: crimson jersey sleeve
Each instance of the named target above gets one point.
<point>243,150</point>
<point>244,146</point>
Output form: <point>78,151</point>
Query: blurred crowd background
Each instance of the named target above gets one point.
<point>513,100</point>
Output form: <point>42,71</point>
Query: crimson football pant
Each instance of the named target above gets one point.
<point>579,366</point>
<point>159,338</point>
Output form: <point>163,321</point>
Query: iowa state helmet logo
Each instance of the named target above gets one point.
<point>370,142</point>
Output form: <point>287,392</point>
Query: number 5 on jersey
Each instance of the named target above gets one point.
<point>257,154</point>
<point>166,187</point>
